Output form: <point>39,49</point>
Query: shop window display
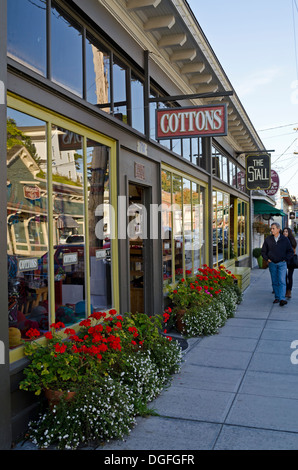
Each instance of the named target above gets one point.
<point>27,225</point>
<point>46,226</point>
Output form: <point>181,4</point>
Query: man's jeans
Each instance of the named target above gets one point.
<point>278,273</point>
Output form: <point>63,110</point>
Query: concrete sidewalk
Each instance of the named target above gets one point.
<point>237,389</point>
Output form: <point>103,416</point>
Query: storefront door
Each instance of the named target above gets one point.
<point>139,249</point>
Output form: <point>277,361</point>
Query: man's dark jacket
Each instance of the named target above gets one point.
<point>277,251</point>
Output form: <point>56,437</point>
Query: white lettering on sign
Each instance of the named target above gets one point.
<point>100,254</point>
<point>70,258</point>
<point>29,264</point>
<point>183,122</point>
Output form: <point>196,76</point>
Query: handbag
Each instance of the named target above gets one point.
<point>293,263</point>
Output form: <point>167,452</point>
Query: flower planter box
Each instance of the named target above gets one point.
<point>242,274</point>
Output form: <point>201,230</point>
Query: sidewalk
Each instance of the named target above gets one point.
<point>236,390</point>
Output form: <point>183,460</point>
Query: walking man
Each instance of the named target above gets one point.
<point>277,250</point>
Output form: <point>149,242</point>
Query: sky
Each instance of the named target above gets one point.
<point>256,43</point>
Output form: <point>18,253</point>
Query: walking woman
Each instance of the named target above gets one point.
<point>287,232</point>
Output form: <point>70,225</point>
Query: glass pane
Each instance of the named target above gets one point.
<point>186,149</point>
<point>26,33</point>
<point>119,90</point>
<point>166,226</point>
<point>202,225</point>
<point>68,225</point>
<point>187,225</point>
<point>226,226</point>
<point>101,224</point>
<point>214,225</point>
<point>224,169</point>
<point>196,217</point>
<point>152,108</point>
<point>66,51</point>
<point>137,104</point>
<point>178,226</point>
<point>220,234</point>
<point>27,225</point>
<point>97,74</point>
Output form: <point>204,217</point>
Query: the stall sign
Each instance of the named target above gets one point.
<point>193,121</point>
<point>258,171</point>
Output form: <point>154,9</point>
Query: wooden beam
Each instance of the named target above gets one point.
<point>159,22</point>
<point>207,88</point>
<point>202,78</point>
<point>137,4</point>
<point>172,40</point>
<point>197,67</point>
<point>183,54</point>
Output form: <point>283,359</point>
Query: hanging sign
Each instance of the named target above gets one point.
<point>31,192</point>
<point>194,121</point>
<point>274,184</point>
<point>258,171</point>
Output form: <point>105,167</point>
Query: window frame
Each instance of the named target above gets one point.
<point>51,118</point>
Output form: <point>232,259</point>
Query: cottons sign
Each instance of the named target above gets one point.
<point>202,121</point>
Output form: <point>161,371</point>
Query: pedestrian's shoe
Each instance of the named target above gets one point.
<point>282,303</point>
<point>275,301</point>
<point>288,294</point>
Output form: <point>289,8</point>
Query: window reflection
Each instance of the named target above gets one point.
<point>66,51</point>
<point>187,224</point>
<point>97,74</point>
<point>137,103</point>
<point>68,225</point>
<point>119,90</point>
<point>177,226</point>
<point>27,234</point>
<point>101,218</point>
<point>26,33</point>
<point>166,226</point>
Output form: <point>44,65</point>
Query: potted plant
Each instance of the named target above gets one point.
<point>257,254</point>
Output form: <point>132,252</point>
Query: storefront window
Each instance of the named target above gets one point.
<point>137,103</point>
<point>49,249</point>
<point>101,229</point>
<point>187,225</point>
<point>29,48</point>
<point>97,74</point>
<point>222,247</point>
<point>178,226</point>
<point>68,225</point>
<point>183,205</point>
<point>27,226</point>
<point>66,51</point>
<point>119,90</point>
<point>242,228</point>
<point>166,189</point>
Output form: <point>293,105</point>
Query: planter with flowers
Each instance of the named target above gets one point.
<point>114,364</point>
<point>202,303</point>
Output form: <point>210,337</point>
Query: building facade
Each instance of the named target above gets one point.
<point>98,212</point>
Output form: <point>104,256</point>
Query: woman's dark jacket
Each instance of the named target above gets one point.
<point>277,251</point>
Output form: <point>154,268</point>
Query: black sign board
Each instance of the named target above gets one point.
<point>258,171</point>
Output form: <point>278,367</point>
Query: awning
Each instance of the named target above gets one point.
<point>263,207</point>
<point>66,221</point>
